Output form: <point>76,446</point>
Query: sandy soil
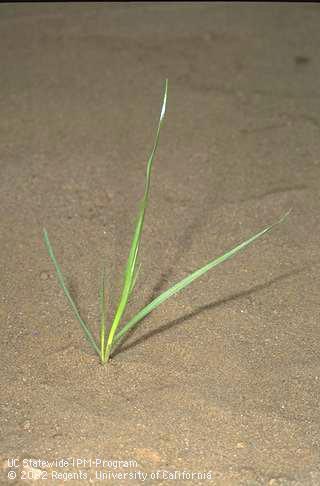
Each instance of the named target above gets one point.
<point>221,382</point>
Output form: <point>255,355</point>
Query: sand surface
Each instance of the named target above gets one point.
<point>221,384</point>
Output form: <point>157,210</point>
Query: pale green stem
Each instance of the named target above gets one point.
<point>102,319</point>
<point>115,324</point>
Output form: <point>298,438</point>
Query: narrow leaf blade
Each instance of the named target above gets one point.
<point>129,275</point>
<point>193,276</point>
<point>131,264</point>
<point>72,304</point>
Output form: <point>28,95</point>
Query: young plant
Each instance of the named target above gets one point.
<point>108,342</point>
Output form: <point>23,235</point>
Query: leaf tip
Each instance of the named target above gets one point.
<point>165,96</point>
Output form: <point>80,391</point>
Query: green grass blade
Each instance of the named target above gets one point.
<point>129,275</point>
<point>73,306</point>
<point>135,277</point>
<point>132,259</point>
<point>190,278</point>
<point>102,305</point>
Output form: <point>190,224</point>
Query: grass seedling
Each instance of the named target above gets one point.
<point>109,341</point>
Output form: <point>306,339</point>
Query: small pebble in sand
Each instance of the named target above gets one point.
<point>44,275</point>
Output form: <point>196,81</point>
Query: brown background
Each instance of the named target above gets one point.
<point>225,376</point>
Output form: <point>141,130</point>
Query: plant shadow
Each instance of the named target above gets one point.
<point>181,320</point>
<point>184,244</point>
